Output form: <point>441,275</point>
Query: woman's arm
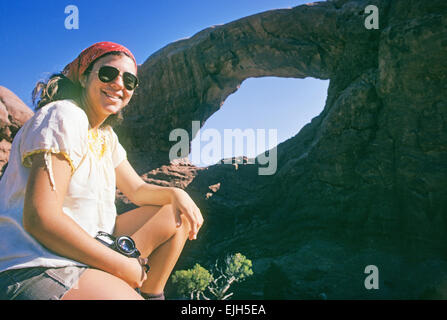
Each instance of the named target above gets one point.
<point>44,220</point>
<point>138,191</point>
<point>142,193</point>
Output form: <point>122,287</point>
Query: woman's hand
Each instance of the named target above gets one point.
<point>133,273</point>
<point>183,204</point>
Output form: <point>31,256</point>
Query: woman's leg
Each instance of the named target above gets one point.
<point>95,284</point>
<point>157,237</point>
<point>155,233</point>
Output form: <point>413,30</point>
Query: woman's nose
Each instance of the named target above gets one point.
<point>118,82</point>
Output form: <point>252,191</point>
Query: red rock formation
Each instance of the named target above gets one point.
<point>13,114</point>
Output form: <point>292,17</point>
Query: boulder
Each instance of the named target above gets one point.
<point>13,114</point>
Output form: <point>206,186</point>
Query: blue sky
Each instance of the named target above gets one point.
<point>35,44</point>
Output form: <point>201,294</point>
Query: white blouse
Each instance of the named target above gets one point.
<point>59,127</point>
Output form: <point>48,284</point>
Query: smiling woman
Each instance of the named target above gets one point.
<point>58,193</point>
<point>104,90</point>
<point>106,95</point>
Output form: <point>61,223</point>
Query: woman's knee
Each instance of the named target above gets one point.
<point>160,228</point>
<point>175,227</point>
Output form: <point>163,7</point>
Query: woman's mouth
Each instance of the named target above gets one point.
<point>112,96</point>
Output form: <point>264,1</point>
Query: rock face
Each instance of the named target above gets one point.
<point>365,183</point>
<point>13,114</point>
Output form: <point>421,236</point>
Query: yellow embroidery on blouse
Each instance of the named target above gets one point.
<point>97,142</point>
<point>27,163</point>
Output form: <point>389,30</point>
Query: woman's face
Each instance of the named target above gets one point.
<point>106,98</point>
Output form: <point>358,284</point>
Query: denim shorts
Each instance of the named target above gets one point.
<point>38,283</point>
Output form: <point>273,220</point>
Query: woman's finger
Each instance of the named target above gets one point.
<point>178,219</point>
<point>190,215</point>
<point>200,217</point>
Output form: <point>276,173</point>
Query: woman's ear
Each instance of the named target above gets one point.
<point>83,80</point>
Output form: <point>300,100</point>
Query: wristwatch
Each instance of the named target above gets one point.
<point>122,244</point>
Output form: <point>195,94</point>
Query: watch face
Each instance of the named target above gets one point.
<point>126,244</point>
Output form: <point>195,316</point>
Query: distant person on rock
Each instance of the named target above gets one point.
<point>58,194</point>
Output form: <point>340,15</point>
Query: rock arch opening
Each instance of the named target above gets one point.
<point>261,106</point>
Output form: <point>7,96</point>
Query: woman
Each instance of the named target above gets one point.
<point>58,192</point>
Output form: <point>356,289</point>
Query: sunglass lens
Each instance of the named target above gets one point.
<point>130,81</point>
<point>107,73</point>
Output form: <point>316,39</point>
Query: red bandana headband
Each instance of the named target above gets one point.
<point>77,67</point>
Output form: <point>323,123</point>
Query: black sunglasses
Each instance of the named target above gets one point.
<point>109,73</point>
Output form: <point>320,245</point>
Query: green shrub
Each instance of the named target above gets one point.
<point>196,281</point>
<point>192,282</point>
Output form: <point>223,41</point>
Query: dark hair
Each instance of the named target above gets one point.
<point>59,87</point>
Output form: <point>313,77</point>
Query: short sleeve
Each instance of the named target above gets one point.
<point>59,127</point>
<point>119,154</point>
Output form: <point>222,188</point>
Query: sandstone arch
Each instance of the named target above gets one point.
<point>191,78</point>
<point>366,180</point>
